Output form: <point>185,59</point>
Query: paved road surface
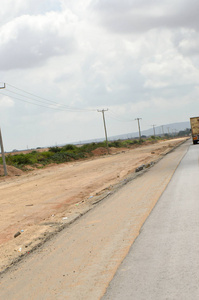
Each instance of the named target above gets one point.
<point>163,263</point>
<point>80,262</point>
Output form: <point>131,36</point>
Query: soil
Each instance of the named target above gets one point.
<point>12,171</point>
<point>38,203</point>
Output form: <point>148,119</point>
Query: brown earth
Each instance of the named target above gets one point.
<point>12,171</point>
<point>38,203</point>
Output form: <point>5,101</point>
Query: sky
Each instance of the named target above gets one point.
<point>63,61</point>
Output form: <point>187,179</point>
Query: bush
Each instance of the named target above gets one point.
<point>19,159</point>
<point>115,144</point>
<point>54,149</point>
<point>133,142</point>
<point>60,157</point>
<point>92,146</point>
<point>69,147</point>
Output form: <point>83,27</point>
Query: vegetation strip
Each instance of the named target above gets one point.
<point>66,153</point>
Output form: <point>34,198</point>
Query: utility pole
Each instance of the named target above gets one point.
<point>3,155</point>
<point>1,145</point>
<point>138,119</point>
<point>163,130</point>
<point>153,129</point>
<point>102,111</point>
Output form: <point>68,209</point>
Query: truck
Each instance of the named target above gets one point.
<point>195,129</point>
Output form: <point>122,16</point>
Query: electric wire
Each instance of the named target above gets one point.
<point>25,97</point>
<point>115,116</point>
<point>111,117</point>
<point>69,108</point>
<point>54,108</point>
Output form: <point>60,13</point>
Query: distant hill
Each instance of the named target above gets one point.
<point>171,128</point>
<point>168,128</point>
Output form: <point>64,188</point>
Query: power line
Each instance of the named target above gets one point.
<point>43,100</point>
<point>54,108</point>
<point>114,116</point>
<point>33,99</point>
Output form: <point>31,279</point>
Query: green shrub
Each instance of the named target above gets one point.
<point>69,147</point>
<point>92,146</point>
<point>60,157</point>
<point>115,144</point>
<point>20,159</point>
<point>54,149</point>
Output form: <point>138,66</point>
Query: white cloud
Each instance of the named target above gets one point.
<point>6,101</point>
<point>188,43</point>
<point>139,16</point>
<point>12,9</point>
<point>30,40</point>
<point>170,69</point>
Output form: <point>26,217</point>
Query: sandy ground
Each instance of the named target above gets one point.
<point>42,202</point>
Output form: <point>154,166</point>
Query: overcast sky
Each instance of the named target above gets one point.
<point>138,58</point>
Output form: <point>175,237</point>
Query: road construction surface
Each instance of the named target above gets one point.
<point>81,260</point>
<point>163,263</point>
<point>41,202</point>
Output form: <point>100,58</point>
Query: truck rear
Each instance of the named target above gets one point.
<point>195,129</point>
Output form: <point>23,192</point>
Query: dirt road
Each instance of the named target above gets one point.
<point>43,201</point>
<point>80,261</point>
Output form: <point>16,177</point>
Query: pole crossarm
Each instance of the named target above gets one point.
<point>3,87</point>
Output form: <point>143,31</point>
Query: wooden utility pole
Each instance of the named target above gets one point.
<point>153,129</point>
<point>163,130</point>
<point>3,155</point>
<point>138,119</point>
<point>1,145</point>
<point>102,111</point>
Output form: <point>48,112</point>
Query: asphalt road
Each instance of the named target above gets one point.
<point>81,260</point>
<point>163,263</point>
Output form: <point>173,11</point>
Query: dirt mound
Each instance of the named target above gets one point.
<point>100,151</point>
<point>12,171</point>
